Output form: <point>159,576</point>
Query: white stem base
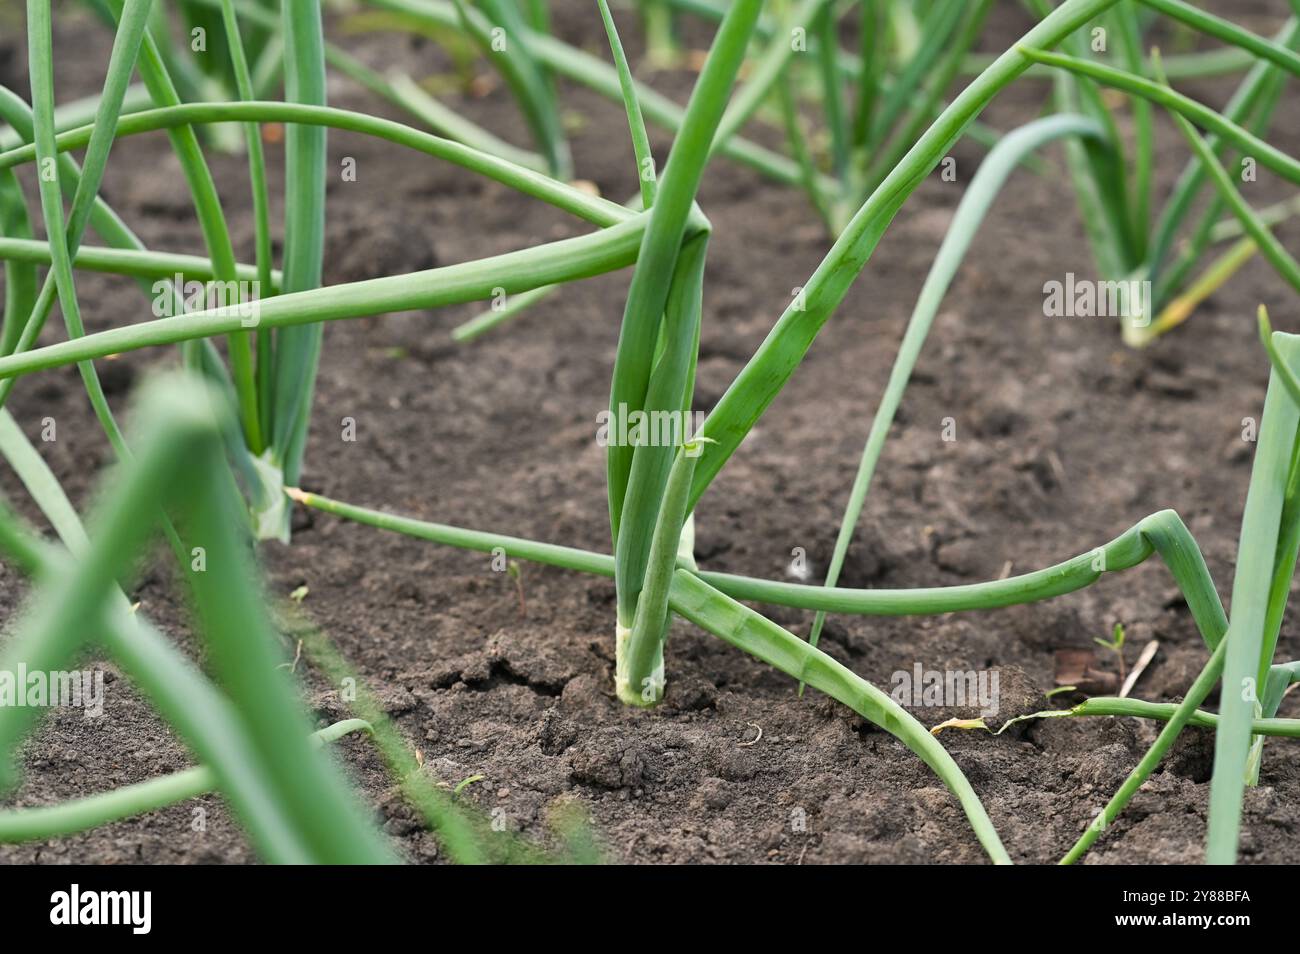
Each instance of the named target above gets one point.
<point>649,689</point>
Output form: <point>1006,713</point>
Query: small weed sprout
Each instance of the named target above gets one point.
<point>1116,645</point>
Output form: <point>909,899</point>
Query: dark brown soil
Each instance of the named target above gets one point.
<point>1065,438</point>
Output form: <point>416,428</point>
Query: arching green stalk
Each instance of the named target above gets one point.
<point>975,203</point>
<point>574,201</point>
<point>1228,32</point>
<point>1162,533</point>
<point>765,374</point>
<point>31,824</point>
<point>1268,155</point>
<point>562,261</point>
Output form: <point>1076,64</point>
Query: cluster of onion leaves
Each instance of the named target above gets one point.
<point>272,363</point>
<point>1176,249</point>
<point>653,491</point>
<point>267,392</point>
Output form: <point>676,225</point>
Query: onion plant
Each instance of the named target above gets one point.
<point>1085,133</point>
<point>272,365</point>
<point>1132,241</point>
<point>909,56</point>
<point>876,103</point>
<point>653,490</point>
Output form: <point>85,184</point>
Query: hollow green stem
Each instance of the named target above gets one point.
<point>1228,32</point>
<point>30,824</point>
<point>639,660</point>
<point>562,261</point>
<point>1268,155</point>
<point>135,263</point>
<point>1163,533</point>
<point>1165,711</point>
<point>581,204</point>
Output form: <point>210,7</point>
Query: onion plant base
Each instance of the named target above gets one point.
<point>646,691</point>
